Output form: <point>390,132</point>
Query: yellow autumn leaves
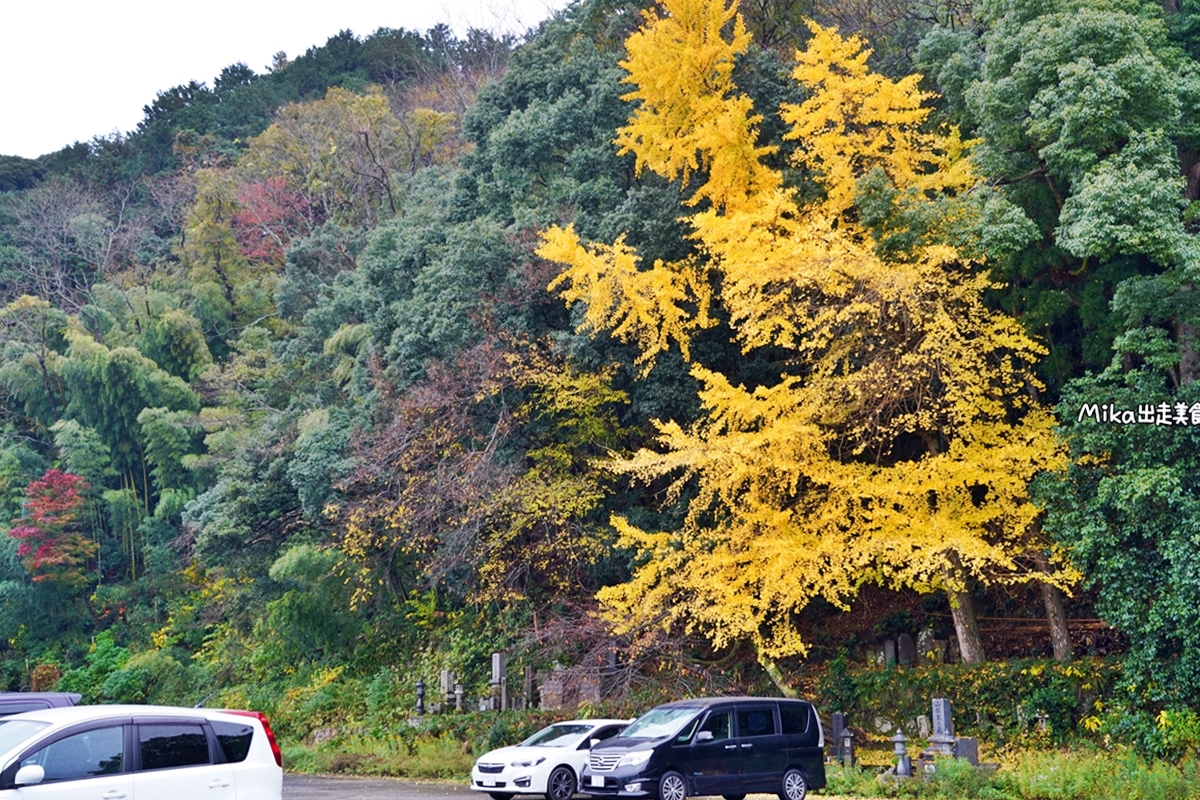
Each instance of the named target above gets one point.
<point>900,439</point>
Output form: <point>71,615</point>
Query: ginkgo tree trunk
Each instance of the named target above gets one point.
<point>899,440</point>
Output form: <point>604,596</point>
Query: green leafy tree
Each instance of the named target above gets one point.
<point>108,389</point>
<point>1127,509</point>
<point>175,341</point>
<point>311,620</point>
<point>1079,108</point>
<point>32,346</point>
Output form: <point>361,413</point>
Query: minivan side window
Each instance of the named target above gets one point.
<point>686,734</point>
<point>173,745</point>
<point>606,733</point>
<point>718,724</point>
<point>756,721</point>
<point>794,717</point>
<point>234,738</point>
<point>82,755</point>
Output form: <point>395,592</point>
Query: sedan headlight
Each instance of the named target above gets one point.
<point>635,758</point>
<point>529,762</point>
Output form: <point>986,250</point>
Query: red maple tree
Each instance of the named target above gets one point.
<point>52,546</point>
<point>270,215</point>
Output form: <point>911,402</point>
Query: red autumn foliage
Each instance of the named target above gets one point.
<point>51,545</point>
<point>270,216</point>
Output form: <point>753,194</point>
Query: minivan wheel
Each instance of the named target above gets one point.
<point>561,784</point>
<point>672,787</point>
<point>795,785</point>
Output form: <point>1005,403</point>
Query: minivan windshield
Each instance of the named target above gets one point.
<point>556,736</point>
<point>14,732</point>
<point>659,722</point>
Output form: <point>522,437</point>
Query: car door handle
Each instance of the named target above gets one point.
<point>113,794</point>
<point>747,744</point>
<point>731,747</point>
<point>218,784</point>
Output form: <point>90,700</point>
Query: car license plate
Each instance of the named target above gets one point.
<point>598,780</point>
<point>488,781</point>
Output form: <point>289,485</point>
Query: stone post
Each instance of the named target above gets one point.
<point>846,747</point>
<point>447,687</point>
<point>499,682</point>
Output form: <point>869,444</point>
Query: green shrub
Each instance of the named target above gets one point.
<point>996,701</point>
<point>1030,776</point>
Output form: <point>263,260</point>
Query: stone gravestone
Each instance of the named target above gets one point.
<point>941,742</point>
<point>942,739</point>
<point>838,724</point>
<point>967,747</point>
<point>889,653</point>
<point>906,650</point>
<point>552,690</point>
<point>923,729</point>
<point>589,689</point>
<point>926,649</point>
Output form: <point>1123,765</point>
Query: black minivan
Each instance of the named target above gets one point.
<point>712,746</point>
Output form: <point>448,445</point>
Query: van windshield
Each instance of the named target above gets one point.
<point>14,732</point>
<point>658,723</point>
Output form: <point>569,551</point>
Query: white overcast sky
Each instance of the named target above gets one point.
<point>74,69</point>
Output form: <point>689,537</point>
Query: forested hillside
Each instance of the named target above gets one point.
<point>663,339</point>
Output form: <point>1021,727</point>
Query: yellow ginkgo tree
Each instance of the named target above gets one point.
<point>899,441</point>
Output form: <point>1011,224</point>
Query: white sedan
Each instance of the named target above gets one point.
<point>546,763</point>
<point>139,752</point>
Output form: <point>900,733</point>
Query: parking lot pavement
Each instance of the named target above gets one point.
<point>316,787</point>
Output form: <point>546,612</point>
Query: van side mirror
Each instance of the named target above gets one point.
<point>593,742</point>
<point>29,775</point>
<point>704,736</point>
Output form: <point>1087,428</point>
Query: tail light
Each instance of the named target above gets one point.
<point>261,717</point>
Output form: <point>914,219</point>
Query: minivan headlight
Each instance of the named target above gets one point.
<point>529,762</point>
<point>635,758</point>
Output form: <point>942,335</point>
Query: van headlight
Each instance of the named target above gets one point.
<point>529,762</point>
<point>635,758</point>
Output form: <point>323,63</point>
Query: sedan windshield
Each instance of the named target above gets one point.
<point>14,732</point>
<point>557,736</point>
<point>658,723</point>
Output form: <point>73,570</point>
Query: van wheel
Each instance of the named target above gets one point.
<point>795,785</point>
<point>561,784</point>
<point>672,787</point>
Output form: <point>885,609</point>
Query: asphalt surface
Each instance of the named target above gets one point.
<point>313,787</point>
